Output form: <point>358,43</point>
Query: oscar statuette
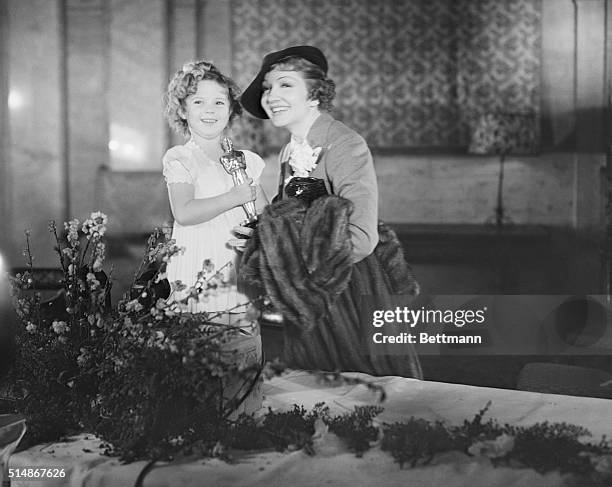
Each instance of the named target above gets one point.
<point>234,163</point>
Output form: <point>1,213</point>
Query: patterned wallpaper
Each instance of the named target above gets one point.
<point>498,58</point>
<point>411,73</point>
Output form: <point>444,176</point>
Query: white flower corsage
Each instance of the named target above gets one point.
<point>303,158</point>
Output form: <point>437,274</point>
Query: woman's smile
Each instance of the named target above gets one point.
<point>286,102</point>
<point>277,109</point>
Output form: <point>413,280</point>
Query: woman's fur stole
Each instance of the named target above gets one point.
<point>300,256</point>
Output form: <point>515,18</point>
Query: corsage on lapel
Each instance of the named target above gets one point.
<point>303,158</point>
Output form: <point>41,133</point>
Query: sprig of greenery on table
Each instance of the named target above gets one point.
<point>543,447</point>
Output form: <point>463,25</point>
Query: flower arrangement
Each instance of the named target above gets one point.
<point>141,373</point>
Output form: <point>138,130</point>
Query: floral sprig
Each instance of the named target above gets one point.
<point>86,286</point>
<point>26,298</point>
<point>95,226</point>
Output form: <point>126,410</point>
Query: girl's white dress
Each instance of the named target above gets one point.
<point>189,164</point>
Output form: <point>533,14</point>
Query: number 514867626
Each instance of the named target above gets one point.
<point>36,473</point>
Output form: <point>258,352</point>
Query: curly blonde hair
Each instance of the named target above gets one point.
<point>185,83</point>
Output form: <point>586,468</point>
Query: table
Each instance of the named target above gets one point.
<point>333,465</point>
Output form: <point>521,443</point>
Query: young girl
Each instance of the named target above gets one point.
<point>200,104</point>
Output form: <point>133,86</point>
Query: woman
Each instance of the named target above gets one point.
<point>317,249</point>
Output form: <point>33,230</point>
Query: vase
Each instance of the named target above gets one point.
<point>246,351</point>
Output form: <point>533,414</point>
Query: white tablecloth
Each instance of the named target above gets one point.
<point>333,465</point>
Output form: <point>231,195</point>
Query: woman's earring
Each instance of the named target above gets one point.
<point>314,103</point>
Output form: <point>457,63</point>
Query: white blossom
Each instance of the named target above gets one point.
<point>60,327</point>
<point>303,158</point>
<point>499,447</point>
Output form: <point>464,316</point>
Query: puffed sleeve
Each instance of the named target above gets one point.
<point>255,165</point>
<point>350,170</point>
<point>176,166</point>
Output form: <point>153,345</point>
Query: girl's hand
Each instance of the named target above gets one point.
<point>243,193</point>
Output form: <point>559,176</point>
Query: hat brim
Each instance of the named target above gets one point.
<point>251,97</point>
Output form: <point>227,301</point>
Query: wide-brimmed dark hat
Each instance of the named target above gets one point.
<point>251,98</point>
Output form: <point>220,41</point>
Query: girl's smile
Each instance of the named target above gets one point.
<point>207,111</point>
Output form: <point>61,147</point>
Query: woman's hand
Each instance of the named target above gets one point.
<point>239,243</point>
<point>243,193</point>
